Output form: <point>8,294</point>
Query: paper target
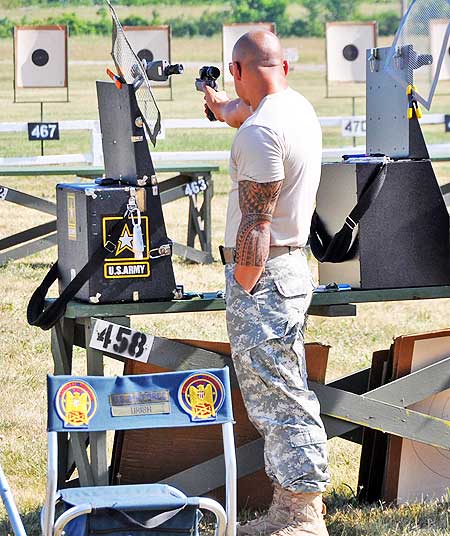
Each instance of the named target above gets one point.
<point>438,29</point>
<point>231,33</point>
<point>430,477</point>
<point>40,56</point>
<point>346,45</point>
<point>150,43</point>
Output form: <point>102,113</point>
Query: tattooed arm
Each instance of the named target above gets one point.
<point>257,202</point>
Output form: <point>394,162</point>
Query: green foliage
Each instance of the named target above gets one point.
<point>25,3</point>
<point>388,22</point>
<point>6,27</point>
<point>340,9</point>
<point>210,22</point>
<point>258,10</point>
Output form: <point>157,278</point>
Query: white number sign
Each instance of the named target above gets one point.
<point>122,341</point>
<point>353,127</point>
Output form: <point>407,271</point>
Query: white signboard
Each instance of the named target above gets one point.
<point>40,56</point>
<point>353,126</point>
<point>231,33</point>
<point>150,43</point>
<point>125,342</point>
<point>346,45</point>
<point>438,30</point>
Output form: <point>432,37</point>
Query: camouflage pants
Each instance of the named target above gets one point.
<point>266,334</point>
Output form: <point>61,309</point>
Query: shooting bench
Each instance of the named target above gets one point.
<point>347,403</point>
<point>191,180</point>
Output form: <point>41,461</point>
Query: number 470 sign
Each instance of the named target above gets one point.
<point>353,126</point>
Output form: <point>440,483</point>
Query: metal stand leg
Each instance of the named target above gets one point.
<point>199,223</point>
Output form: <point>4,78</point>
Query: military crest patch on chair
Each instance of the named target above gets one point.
<point>168,400</point>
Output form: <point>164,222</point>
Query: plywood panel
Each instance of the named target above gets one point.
<point>415,471</point>
<point>152,455</point>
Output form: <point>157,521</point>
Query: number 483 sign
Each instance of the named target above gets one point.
<point>114,339</point>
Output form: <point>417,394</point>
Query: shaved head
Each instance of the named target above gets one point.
<point>259,48</point>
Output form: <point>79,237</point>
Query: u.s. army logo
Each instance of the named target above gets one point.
<point>121,262</point>
<point>76,404</point>
<point>201,395</point>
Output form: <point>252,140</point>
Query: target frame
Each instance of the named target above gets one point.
<point>163,28</point>
<point>438,30</point>
<point>227,48</point>
<point>356,73</point>
<point>21,56</point>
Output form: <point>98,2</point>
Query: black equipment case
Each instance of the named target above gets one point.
<point>86,215</point>
<point>402,239</point>
<point>112,242</point>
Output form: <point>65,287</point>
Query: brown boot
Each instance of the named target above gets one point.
<point>290,514</point>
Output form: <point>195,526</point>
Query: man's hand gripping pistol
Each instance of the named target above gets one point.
<point>208,75</point>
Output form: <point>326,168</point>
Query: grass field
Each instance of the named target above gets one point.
<point>25,352</point>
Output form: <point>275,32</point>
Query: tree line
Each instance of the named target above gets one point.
<point>317,12</point>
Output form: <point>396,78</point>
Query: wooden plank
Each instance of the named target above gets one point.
<point>80,310</point>
<point>97,440</point>
<point>29,201</point>
<point>383,417</point>
<point>95,171</point>
<point>29,248</point>
<point>414,471</point>
<point>374,444</point>
<point>192,254</point>
<point>416,386</point>
<point>333,311</point>
<point>380,295</point>
<point>83,310</point>
<point>81,459</point>
<point>62,347</point>
<point>28,234</point>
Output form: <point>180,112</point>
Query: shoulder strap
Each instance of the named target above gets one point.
<point>339,248</point>
<point>46,318</point>
<point>130,522</point>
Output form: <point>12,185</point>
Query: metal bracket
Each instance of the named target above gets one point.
<point>373,60</point>
<point>163,251</point>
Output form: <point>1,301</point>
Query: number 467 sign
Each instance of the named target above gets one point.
<point>114,339</point>
<point>43,131</point>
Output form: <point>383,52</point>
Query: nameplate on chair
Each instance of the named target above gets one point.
<point>140,403</point>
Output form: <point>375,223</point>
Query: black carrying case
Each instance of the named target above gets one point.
<point>86,214</point>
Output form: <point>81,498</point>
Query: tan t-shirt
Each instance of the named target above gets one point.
<point>281,140</point>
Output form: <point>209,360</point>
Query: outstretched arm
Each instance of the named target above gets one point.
<point>257,202</point>
<point>231,111</point>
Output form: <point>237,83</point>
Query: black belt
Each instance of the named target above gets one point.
<point>228,255</point>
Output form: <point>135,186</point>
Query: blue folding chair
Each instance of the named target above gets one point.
<point>98,403</point>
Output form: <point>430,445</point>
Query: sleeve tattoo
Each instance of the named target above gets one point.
<point>257,202</point>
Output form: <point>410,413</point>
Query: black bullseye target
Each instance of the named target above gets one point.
<point>40,57</point>
<point>146,54</point>
<point>350,52</point>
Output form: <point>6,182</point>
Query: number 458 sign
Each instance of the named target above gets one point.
<point>43,131</point>
<point>119,340</point>
<point>353,126</point>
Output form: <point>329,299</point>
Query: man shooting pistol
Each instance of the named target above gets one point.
<point>275,168</point>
